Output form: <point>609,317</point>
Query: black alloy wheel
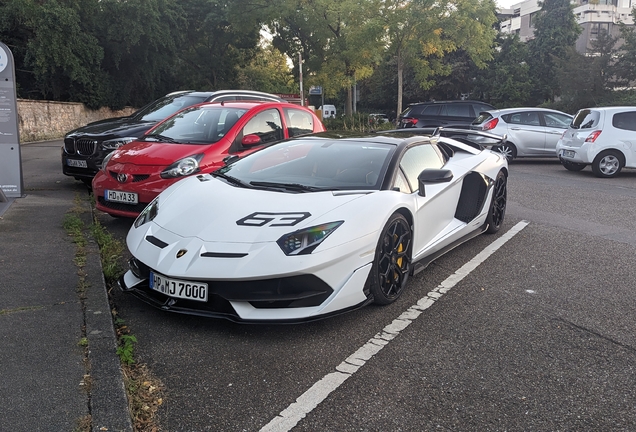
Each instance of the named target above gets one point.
<point>392,261</point>
<point>497,210</point>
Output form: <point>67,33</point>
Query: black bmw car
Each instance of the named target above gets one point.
<point>86,147</point>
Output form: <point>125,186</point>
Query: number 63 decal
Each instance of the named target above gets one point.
<point>281,219</point>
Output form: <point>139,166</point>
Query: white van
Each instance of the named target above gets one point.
<point>328,111</point>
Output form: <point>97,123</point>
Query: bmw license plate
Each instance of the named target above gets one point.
<point>179,288</point>
<point>568,153</point>
<point>121,197</point>
<point>77,163</point>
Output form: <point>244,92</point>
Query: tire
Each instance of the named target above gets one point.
<point>392,261</point>
<point>572,166</point>
<point>607,164</point>
<point>507,149</point>
<point>88,183</point>
<point>497,210</point>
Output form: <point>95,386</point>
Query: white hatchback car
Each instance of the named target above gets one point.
<point>531,132</point>
<point>604,138</point>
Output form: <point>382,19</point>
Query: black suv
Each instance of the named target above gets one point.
<point>441,113</point>
<point>86,147</point>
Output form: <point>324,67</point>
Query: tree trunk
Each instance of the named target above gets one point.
<point>349,103</point>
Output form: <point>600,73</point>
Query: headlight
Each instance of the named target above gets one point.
<point>183,167</point>
<point>149,213</point>
<point>114,144</point>
<point>106,160</point>
<point>304,242</point>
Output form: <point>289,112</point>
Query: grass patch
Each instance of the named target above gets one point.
<point>145,392</point>
<point>358,122</point>
<point>110,250</point>
<point>76,229</point>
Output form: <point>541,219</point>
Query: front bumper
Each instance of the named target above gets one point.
<point>93,164</point>
<point>146,190</point>
<point>288,300</point>
<point>252,281</point>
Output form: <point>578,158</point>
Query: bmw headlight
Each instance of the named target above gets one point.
<point>149,213</point>
<point>303,242</point>
<point>183,167</point>
<point>114,144</point>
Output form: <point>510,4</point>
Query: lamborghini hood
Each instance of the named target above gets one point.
<point>214,211</point>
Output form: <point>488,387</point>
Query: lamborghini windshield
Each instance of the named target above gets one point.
<point>312,165</point>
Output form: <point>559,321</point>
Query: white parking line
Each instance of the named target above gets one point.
<point>289,417</point>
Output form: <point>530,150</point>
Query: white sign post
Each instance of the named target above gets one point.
<point>10,158</point>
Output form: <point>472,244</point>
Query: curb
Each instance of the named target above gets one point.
<point>108,400</point>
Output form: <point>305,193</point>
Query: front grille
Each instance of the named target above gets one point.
<point>85,147</point>
<point>136,177</point>
<point>69,145</point>
<point>137,208</point>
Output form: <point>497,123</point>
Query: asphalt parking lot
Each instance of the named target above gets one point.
<point>538,336</point>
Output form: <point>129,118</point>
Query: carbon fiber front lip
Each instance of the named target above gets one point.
<point>170,305</point>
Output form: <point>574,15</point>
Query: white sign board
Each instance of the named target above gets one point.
<point>10,158</point>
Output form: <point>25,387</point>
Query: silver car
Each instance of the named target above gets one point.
<point>531,132</point>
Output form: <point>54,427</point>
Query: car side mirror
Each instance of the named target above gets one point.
<point>431,176</point>
<point>251,140</point>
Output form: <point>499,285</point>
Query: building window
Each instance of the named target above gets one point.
<point>596,28</point>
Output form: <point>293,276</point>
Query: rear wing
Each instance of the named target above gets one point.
<point>474,138</point>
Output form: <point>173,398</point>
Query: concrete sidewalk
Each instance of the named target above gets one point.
<point>51,381</point>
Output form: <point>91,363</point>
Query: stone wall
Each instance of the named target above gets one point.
<point>43,120</point>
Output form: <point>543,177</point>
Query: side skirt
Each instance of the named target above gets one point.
<point>423,262</point>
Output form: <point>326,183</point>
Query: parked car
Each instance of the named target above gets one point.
<point>195,140</point>
<point>530,131</point>
<point>317,226</point>
<point>85,147</point>
<point>604,138</point>
<point>378,119</point>
<point>441,113</point>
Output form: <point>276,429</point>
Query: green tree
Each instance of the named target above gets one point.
<point>421,33</point>
<point>625,69</point>
<point>268,71</point>
<point>141,40</point>
<point>219,37</point>
<point>507,81</point>
<point>340,41</point>
<point>587,80</point>
<point>56,55</point>
<point>555,32</point>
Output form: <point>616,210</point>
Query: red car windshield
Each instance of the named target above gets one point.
<point>197,125</point>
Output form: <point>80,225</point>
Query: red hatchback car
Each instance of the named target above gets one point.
<point>196,139</point>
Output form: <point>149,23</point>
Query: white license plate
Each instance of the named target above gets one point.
<point>77,163</point>
<point>121,197</point>
<point>179,288</point>
<point>568,153</point>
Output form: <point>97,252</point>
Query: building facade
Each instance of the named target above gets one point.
<point>592,15</point>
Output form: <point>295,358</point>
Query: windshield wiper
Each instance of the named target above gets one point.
<point>297,187</point>
<point>231,179</point>
<point>159,137</point>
